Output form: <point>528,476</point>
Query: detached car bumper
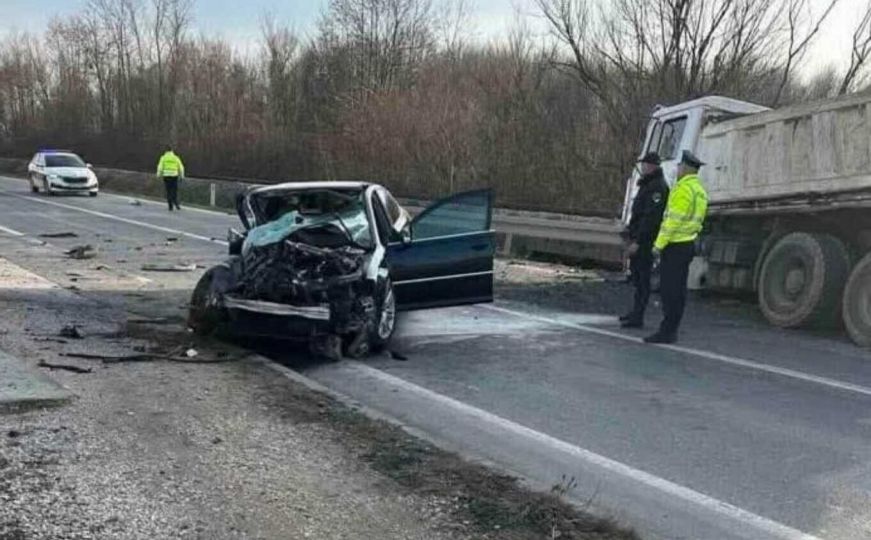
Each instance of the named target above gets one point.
<point>274,320</point>
<point>319,312</point>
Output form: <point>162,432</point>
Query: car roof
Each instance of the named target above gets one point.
<point>304,186</point>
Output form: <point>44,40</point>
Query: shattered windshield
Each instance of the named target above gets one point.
<point>283,214</point>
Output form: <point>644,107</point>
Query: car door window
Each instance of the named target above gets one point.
<point>464,213</point>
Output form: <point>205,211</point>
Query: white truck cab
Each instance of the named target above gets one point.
<point>672,130</point>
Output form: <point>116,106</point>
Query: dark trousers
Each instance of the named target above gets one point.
<point>674,269</point>
<point>171,185</point>
<point>640,268</point>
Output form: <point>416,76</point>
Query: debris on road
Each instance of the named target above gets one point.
<point>144,320</point>
<point>398,356</point>
<point>64,367</point>
<point>170,239</point>
<point>71,331</point>
<point>151,357</point>
<point>169,267</point>
<point>82,252</point>
<point>50,340</point>
<point>65,234</point>
<point>135,202</point>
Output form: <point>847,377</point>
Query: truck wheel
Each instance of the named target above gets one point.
<point>857,303</point>
<point>802,279</point>
<point>204,315</point>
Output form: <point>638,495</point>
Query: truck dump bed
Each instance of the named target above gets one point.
<point>803,156</point>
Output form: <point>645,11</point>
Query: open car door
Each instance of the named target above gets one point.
<point>449,257</point>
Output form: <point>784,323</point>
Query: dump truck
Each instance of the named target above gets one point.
<point>790,204</point>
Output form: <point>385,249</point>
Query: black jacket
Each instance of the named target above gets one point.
<point>647,209</point>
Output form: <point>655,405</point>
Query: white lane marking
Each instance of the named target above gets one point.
<point>121,219</point>
<point>143,199</point>
<point>784,372</point>
<point>13,232</point>
<point>773,528</point>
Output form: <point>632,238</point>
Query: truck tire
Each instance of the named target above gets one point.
<point>857,303</point>
<point>802,279</point>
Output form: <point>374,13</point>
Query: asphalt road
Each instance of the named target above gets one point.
<point>742,431</point>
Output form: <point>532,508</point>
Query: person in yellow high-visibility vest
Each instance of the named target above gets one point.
<point>684,217</point>
<point>170,169</point>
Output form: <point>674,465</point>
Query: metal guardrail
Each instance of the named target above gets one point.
<point>593,231</point>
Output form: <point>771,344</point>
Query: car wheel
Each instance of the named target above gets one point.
<point>385,320</point>
<point>204,314</point>
<point>33,187</point>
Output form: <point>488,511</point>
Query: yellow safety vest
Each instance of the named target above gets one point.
<point>684,213</point>
<point>170,165</point>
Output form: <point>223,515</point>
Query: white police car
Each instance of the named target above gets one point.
<point>60,171</point>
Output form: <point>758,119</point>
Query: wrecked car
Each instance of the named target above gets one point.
<point>333,262</point>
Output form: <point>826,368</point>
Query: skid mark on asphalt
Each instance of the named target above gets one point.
<point>716,357</point>
<point>495,423</point>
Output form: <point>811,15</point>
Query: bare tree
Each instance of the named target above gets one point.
<point>386,39</point>
<point>798,41</point>
<point>859,52</point>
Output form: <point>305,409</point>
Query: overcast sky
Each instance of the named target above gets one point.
<point>238,20</point>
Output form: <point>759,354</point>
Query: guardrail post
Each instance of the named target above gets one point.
<point>506,245</point>
<point>212,192</point>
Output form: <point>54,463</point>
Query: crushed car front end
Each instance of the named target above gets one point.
<point>303,272</point>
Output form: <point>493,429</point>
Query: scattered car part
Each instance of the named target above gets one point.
<point>169,267</point>
<point>82,252</point>
<point>71,331</point>
<point>65,367</point>
<point>65,234</point>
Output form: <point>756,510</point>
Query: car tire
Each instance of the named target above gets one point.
<point>802,279</point>
<point>205,317</point>
<point>385,318</point>
<point>33,187</point>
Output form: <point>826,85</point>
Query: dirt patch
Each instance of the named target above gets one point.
<point>493,505</point>
<point>518,272</point>
<point>608,296</point>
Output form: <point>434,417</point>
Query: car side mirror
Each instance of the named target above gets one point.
<point>88,165</point>
<point>235,239</point>
<point>405,236</point>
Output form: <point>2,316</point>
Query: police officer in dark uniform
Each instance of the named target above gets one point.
<point>647,209</point>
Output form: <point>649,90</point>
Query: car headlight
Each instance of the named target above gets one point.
<point>54,177</point>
